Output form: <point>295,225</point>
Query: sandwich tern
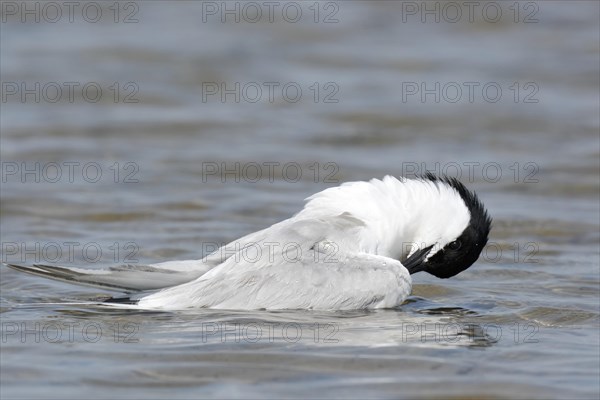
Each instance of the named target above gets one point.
<point>354,246</point>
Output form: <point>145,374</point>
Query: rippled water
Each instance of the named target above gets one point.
<point>522,323</point>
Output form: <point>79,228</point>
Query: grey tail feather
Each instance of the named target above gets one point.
<point>122,300</point>
<point>66,275</point>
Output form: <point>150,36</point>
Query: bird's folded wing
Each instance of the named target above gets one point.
<point>123,278</point>
<point>343,281</point>
<point>297,264</point>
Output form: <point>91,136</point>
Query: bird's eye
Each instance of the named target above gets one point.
<point>455,245</point>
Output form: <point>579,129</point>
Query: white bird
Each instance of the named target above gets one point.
<point>354,246</point>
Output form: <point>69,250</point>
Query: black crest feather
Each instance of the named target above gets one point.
<point>466,249</point>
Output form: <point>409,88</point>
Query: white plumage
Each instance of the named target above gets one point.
<point>341,251</point>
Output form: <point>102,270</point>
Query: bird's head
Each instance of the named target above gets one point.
<point>458,238</point>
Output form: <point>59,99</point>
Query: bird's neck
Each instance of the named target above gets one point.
<point>399,214</point>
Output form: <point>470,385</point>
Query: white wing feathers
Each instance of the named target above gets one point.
<point>308,264</point>
<point>359,281</point>
<point>316,262</point>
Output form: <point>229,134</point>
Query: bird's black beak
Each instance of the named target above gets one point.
<point>414,263</point>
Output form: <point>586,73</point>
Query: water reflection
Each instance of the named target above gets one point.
<point>534,326</point>
<point>445,327</point>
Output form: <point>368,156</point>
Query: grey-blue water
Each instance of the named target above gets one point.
<point>204,130</point>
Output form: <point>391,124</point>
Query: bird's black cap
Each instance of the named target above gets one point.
<point>460,254</point>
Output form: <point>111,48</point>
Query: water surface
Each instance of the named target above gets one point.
<point>521,323</point>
